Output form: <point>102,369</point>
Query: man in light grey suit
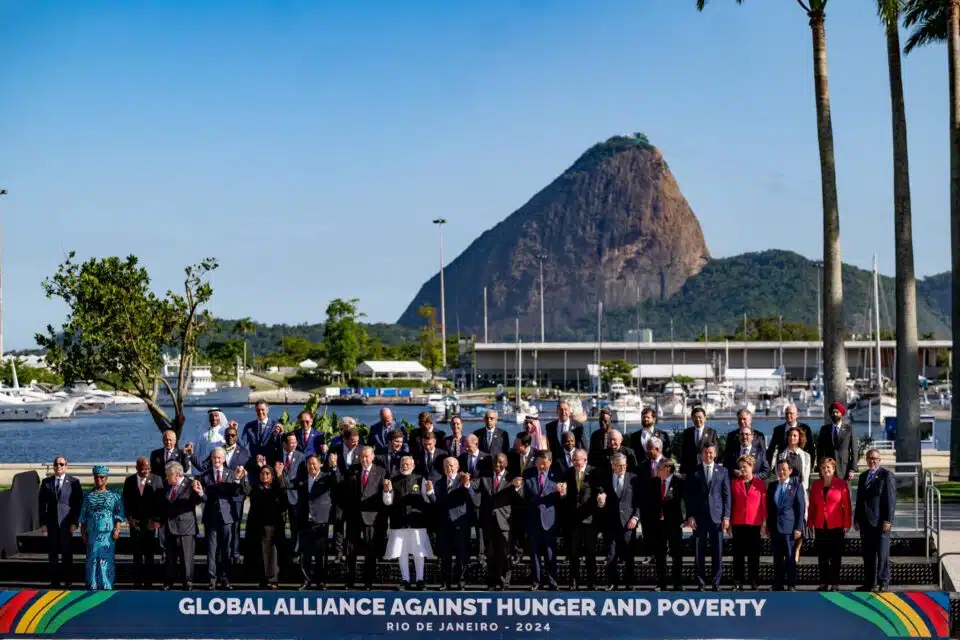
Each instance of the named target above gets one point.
<point>838,440</point>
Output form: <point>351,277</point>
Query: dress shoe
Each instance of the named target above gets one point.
<point>212,586</point>
<point>165,587</point>
<point>226,586</point>
<point>188,587</point>
<point>368,586</point>
<point>738,587</point>
<point>823,587</point>
<point>592,586</point>
<point>754,587</point>
<point>461,585</point>
<point>498,587</point>
<point>534,587</point>
<point>835,587</point>
<point>611,587</point>
<point>791,588</point>
<point>553,587</point>
<point>403,586</point>
<point>304,586</point>
<point>442,587</point>
<point>677,587</point>
<point>701,588</point>
<point>349,586</point>
<point>574,587</point>
<point>68,585</point>
<point>658,589</point>
<point>716,587</point>
<point>881,589</point>
<point>322,586</point>
<point>273,586</point>
<point>420,585</point>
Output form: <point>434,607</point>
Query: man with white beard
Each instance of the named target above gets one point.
<point>407,495</point>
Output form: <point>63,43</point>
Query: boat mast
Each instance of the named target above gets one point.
<point>744,361</point>
<point>673,368</point>
<point>517,326</point>
<point>638,340</point>
<point>876,316</point>
<point>599,351</point>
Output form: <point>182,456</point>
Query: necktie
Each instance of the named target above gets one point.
<point>569,461</point>
<point>836,436</point>
<point>696,437</point>
<point>218,476</point>
<point>59,487</point>
<point>173,494</point>
<point>473,464</point>
<point>523,462</point>
<point>663,490</point>
<point>579,480</point>
<point>363,480</point>
<point>744,451</point>
<point>871,476</point>
<point>619,485</point>
<point>709,473</point>
<point>653,468</point>
<point>541,482</point>
<point>141,486</point>
<point>169,455</point>
<point>781,492</point>
<point>286,465</point>
<point>449,484</point>
<point>489,437</point>
<point>496,482</point>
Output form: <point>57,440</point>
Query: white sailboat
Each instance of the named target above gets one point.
<point>877,405</point>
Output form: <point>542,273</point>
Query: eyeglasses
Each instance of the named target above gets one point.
<point>59,464</point>
<point>873,458</point>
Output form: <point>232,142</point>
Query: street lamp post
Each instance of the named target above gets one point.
<point>443,303</point>
<point>540,257</point>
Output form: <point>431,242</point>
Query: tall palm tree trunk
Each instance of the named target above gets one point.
<point>908,394</point>
<point>953,57</point>
<point>835,366</point>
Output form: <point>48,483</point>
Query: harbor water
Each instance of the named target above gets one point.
<point>122,437</point>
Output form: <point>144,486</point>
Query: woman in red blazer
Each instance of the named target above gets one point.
<point>748,516</point>
<point>829,514</point>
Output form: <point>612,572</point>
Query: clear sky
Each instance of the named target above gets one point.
<point>309,144</point>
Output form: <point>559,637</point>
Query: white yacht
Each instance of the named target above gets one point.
<point>202,390</point>
<point>626,408</point>
<point>875,409</point>
<point>617,389</point>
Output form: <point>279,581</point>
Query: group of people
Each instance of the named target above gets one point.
<point>410,496</point>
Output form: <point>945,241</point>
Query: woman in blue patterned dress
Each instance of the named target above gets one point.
<point>100,520</point>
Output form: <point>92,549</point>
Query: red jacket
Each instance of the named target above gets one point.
<point>836,508</point>
<point>748,506</point>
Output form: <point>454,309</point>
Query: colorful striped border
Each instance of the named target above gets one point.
<point>32,612</point>
<point>909,615</point>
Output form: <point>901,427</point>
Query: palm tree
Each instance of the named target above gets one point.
<point>908,393</point>
<point>243,327</point>
<point>834,357</point>
<point>939,21</point>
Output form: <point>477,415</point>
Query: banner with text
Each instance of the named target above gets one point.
<point>145,614</point>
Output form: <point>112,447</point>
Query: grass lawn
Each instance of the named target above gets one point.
<point>949,492</point>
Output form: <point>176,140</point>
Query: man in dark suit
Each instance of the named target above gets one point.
<point>259,437</point>
<point>142,495</point>
<point>838,440</point>
<point>541,496</point>
<point>648,468</point>
<point>425,426</point>
<point>563,424</point>
<point>180,524</point>
<point>746,445</point>
<point>694,438</point>
<point>315,512</point>
<point>563,460</point>
<point>614,446</point>
<point>309,440</point>
<point>619,505</point>
<point>363,494</point>
<point>598,439</point>
<point>492,439</point>
<point>292,461</point>
<point>663,522</point>
<point>236,456</point>
<point>873,516</point>
<point>429,462</point>
<point>453,501</point>
<point>348,452</point>
<point>580,512</point>
<point>496,497</point>
<point>648,429</point>
<point>745,422</point>
<point>380,430</point>
<point>220,488</point>
<point>708,513</point>
<point>390,460</point>
<point>169,452</point>
<point>786,506</point>
<point>778,440</point>
<point>521,463</point>
<point>60,500</point>
<point>476,463</point>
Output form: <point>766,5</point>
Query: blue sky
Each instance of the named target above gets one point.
<point>308,144</point>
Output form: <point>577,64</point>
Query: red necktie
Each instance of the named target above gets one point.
<point>173,494</point>
<point>663,490</point>
<point>653,468</point>
<point>541,482</point>
<point>286,465</point>
<point>496,482</point>
<point>218,476</point>
<point>141,487</point>
<point>363,480</point>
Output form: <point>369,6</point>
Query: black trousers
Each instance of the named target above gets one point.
<point>292,548</point>
<point>620,547</point>
<point>313,553</point>
<point>663,538</point>
<point>499,562</point>
<point>237,513</point>
<point>219,552</point>
<point>179,558</point>
<point>142,539</point>
<point>746,551</point>
<point>265,539</point>
<point>362,538</point>
<point>453,540</point>
<point>582,542</point>
<point>876,555</point>
<point>60,553</point>
<point>829,544</point>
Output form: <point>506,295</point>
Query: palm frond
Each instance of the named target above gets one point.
<point>703,3</point>
<point>889,11</point>
<point>928,20</point>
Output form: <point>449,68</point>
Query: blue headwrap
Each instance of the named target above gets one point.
<point>101,470</point>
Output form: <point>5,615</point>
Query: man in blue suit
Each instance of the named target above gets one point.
<point>786,506</point>
<point>618,500</point>
<point>237,456</point>
<point>541,497</point>
<point>876,505</point>
<point>380,430</point>
<point>309,440</point>
<point>708,512</point>
<point>60,500</point>
<point>452,494</point>
<point>259,437</point>
<point>220,487</point>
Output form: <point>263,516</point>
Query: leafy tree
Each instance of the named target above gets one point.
<point>430,341</point>
<point>26,374</point>
<point>343,335</point>
<point>222,354</point>
<point>117,329</point>
<point>615,369</point>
